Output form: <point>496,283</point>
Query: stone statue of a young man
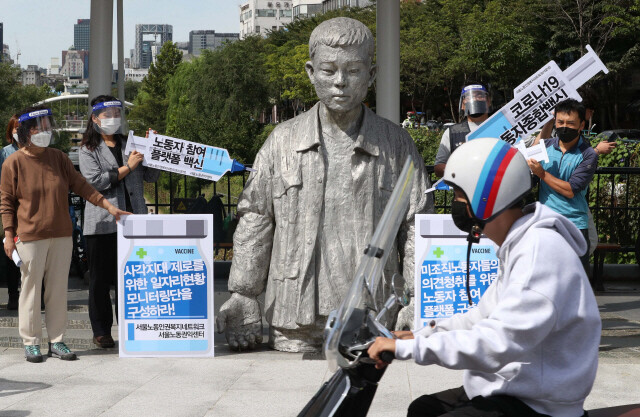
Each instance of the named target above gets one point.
<point>321,184</point>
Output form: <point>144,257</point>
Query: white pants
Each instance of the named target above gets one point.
<point>48,260</point>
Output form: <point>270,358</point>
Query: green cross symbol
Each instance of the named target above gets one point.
<point>141,253</point>
<point>438,252</point>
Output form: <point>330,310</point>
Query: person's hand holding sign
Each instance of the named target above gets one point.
<point>135,158</point>
<point>536,168</point>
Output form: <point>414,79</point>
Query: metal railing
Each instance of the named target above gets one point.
<point>228,188</point>
<point>611,191</point>
<point>614,199</point>
<point>71,125</point>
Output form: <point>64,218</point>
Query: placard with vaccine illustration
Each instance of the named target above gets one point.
<point>165,285</point>
<point>441,268</point>
<point>183,157</point>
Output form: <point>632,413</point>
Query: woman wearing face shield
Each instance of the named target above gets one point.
<point>120,178</point>
<point>34,188</point>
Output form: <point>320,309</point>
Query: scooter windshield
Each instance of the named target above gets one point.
<point>362,294</point>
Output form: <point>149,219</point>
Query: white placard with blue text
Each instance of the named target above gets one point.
<point>440,268</point>
<point>535,99</point>
<point>532,106</point>
<point>165,285</point>
<point>181,156</point>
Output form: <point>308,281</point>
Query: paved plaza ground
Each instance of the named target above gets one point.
<point>260,383</point>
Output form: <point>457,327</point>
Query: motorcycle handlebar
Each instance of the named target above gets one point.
<point>387,356</point>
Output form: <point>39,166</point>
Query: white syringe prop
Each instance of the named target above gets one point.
<point>183,157</point>
<point>536,97</point>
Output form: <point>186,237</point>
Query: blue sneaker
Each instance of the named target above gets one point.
<point>32,353</point>
<point>60,350</point>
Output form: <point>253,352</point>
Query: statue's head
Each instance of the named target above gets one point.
<point>341,66</point>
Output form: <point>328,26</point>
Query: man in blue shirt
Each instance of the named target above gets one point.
<point>572,163</point>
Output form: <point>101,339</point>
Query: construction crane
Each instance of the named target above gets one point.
<point>17,53</point>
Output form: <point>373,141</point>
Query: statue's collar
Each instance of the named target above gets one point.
<point>368,136</point>
<point>367,140</point>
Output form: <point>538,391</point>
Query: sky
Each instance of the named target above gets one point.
<point>42,29</point>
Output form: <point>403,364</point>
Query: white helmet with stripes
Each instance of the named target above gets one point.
<point>492,174</point>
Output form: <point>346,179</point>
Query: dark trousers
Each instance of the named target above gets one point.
<point>585,258</point>
<point>13,276</point>
<point>103,272</point>
<point>455,403</point>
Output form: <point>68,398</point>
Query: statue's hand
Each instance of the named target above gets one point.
<point>241,321</point>
<point>406,316</point>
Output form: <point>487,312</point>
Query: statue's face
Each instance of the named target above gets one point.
<point>341,76</point>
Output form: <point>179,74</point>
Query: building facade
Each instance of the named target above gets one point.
<point>54,66</point>
<point>183,47</point>
<point>303,9</point>
<point>75,64</point>
<point>208,39</point>
<point>52,80</point>
<point>75,86</point>
<point>260,17</point>
<point>328,5</point>
<point>31,76</point>
<point>6,55</point>
<point>145,47</point>
<point>131,74</point>
<point>82,35</point>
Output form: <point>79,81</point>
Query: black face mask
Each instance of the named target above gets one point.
<point>461,218</point>
<point>567,134</point>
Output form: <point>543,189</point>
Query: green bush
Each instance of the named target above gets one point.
<point>427,141</point>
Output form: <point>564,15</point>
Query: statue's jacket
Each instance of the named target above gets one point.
<point>281,204</point>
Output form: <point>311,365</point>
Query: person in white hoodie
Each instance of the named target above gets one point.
<point>530,346</point>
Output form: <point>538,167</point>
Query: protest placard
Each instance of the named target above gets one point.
<point>183,157</point>
<point>441,268</point>
<point>165,285</point>
<point>535,99</point>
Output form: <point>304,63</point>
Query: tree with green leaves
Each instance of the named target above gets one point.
<point>612,28</point>
<point>575,24</point>
<point>287,77</point>
<point>218,98</point>
<point>131,90</point>
<point>151,103</point>
<point>14,96</point>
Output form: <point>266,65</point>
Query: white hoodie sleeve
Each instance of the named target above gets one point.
<point>517,323</point>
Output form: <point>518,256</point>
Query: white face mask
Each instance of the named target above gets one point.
<point>42,139</point>
<point>15,137</point>
<point>110,126</point>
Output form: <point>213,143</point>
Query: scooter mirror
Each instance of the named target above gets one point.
<point>400,289</point>
<point>397,281</point>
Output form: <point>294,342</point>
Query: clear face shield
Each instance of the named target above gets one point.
<point>474,101</point>
<point>107,117</point>
<point>42,134</point>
